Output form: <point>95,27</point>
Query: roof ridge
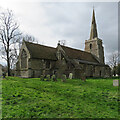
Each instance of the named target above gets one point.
<point>39,44</point>
<point>84,53</point>
<point>76,49</point>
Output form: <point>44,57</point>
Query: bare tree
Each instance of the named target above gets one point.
<point>9,34</point>
<point>29,38</point>
<point>113,62</point>
<point>16,47</point>
<point>26,37</point>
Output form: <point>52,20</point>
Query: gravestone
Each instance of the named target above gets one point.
<point>42,77</point>
<point>70,76</point>
<point>83,76</point>
<point>54,78</point>
<point>115,82</point>
<point>4,75</point>
<point>63,78</point>
<point>48,77</point>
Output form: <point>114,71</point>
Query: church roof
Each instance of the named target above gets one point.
<point>79,54</point>
<point>45,52</point>
<point>41,51</point>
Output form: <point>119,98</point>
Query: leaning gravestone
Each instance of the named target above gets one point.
<point>115,82</point>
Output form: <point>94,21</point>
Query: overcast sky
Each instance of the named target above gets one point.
<point>49,22</point>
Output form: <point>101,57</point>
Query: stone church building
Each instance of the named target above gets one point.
<point>36,60</point>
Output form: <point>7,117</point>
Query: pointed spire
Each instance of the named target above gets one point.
<point>93,33</point>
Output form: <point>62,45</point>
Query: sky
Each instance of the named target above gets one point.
<point>52,21</point>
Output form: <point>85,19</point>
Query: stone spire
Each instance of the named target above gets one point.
<point>93,33</point>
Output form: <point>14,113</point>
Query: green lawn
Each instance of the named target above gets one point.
<point>32,98</point>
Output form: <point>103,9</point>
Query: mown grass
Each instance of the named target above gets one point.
<point>33,98</point>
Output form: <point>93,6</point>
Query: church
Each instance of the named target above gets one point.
<point>35,60</point>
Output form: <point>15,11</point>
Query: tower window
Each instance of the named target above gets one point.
<point>90,46</point>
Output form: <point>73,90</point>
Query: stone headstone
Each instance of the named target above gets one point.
<point>63,78</point>
<point>54,78</point>
<point>70,76</point>
<point>4,75</point>
<point>115,82</point>
<point>42,77</point>
<point>48,77</point>
<point>83,76</point>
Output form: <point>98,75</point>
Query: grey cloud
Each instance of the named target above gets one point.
<point>71,21</point>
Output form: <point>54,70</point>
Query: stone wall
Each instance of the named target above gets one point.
<point>62,68</point>
<point>37,67</point>
<point>24,73</point>
<point>95,47</point>
<point>92,71</point>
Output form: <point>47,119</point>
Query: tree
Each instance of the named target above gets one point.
<point>113,62</point>
<point>9,36</point>
<point>16,47</point>
<point>29,38</point>
<point>25,37</point>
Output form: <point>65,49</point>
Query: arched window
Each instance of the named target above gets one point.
<point>90,46</point>
<point>24,59</point>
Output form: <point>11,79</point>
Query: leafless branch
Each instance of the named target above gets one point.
<point>9,32</point>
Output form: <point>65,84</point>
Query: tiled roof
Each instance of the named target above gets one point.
<point>45,52</point>
<point>79,54</point>
<point>41,51</point>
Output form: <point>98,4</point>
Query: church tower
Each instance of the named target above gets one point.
<point>94,44</point>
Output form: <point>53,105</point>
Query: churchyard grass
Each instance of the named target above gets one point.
<point>33,98</point>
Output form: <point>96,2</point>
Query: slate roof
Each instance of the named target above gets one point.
<point>79,54</point>
<point>41,51</point>
<point>45,52</point>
